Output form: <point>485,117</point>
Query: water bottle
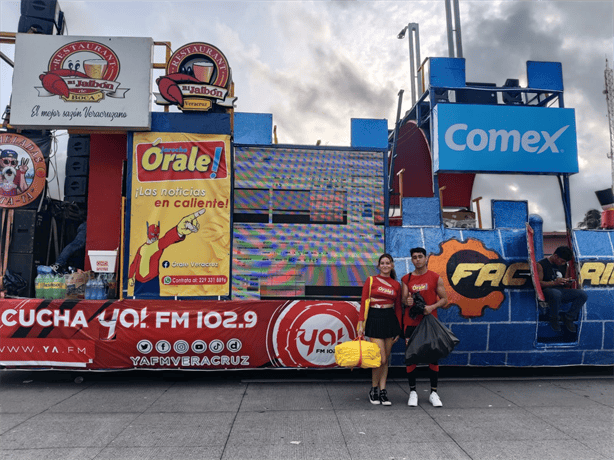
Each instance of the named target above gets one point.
<point>105,287</point>
<point>101,288</point>
<point>39,284</point>
<point>55,286</point>
<point>62,294</point>
<point>48,289</point>
<point>97,291</point>
<point>89,289</point>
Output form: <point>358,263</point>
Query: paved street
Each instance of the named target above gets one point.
<point>302,415</point>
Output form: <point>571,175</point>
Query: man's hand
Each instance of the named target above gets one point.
<point>23,167</point>
<point>562,282</point>
<point>189,224</point>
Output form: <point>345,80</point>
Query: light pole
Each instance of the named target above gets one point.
<point>414,56</point>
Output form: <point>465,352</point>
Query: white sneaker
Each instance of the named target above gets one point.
<point>413,399</point>
<point>434,399</point>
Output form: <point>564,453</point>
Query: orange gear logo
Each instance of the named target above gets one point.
<point>474,277</point>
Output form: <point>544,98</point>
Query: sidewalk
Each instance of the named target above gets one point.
<point>280,415</point>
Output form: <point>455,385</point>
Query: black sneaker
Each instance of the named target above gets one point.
<point>383,398</point>
<point>374,395</point>
<point>554,324</point>
<point>569,325</point>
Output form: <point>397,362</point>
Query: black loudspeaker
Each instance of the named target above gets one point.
<point>605,197</point>
<point>24,226</point>
<point>42,9</point>
<point>477,96</point>
<point>512,97</point>
<point>30,232</point>
<point>81,200</point>
<point>78,146</point>
<point>39,26</point>
<point>75,186</point>
<point>77,166</point>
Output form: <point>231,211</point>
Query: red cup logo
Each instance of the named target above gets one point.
<point>305,333</point>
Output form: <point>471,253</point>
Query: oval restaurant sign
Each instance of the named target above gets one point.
<point>82,71</point>
<point>197,76</point>
<point>475,277</point>
<point>22,171</point>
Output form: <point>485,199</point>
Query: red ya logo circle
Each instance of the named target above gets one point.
<point>22,171</point>
<point>306,332</point>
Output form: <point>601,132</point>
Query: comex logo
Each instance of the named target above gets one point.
<point>479,139</point>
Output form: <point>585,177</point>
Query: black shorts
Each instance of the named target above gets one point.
<point>409,330</point>
<point>382,323</point>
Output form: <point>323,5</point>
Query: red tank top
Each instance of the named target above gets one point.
<point>426,285</point>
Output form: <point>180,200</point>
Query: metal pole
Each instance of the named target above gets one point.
<point>457,29</point>
<point>449,27</point>
<point>412,70</point>
<point>414,30</point>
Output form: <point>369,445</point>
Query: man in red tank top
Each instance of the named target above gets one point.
<point>430,286</point>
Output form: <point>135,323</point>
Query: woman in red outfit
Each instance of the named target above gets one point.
<point>382,325</point>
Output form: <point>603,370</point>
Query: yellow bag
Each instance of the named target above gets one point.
<point>358,353</point>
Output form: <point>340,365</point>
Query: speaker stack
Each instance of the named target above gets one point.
<point>29,243</point>
<point>41,17</point>
<point>77,170</point>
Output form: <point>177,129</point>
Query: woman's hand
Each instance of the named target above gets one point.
<point>360,329</point>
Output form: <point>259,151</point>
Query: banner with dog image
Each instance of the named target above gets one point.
<point>180,207</point>
<point>22,171</point>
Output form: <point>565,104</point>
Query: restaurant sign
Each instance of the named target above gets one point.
<point>87,82</point>
<point>198,78</point>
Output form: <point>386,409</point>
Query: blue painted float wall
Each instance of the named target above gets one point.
<point>508,335</point>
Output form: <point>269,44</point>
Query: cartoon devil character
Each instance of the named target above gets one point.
<point>145,268</point>
<point>12,177</point>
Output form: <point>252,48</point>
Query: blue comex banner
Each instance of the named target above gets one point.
<point>502,139</point>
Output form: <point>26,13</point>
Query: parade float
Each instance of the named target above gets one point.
<point>232,251</point>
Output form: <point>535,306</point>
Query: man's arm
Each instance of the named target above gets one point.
<point>443,298</point>
<point>547,284</point>
<point>406,297</point>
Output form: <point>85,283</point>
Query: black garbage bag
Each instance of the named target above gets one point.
<point>13,283</point>
<point>418,307</point>
<point>430,342</point>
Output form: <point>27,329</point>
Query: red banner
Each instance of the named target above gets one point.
<point>143,334</point>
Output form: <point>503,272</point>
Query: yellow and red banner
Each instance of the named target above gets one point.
<point>180,216</point>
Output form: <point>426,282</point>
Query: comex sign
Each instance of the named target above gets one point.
<point>504,139</point>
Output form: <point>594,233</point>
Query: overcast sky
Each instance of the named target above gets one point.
<point>315,65</point>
